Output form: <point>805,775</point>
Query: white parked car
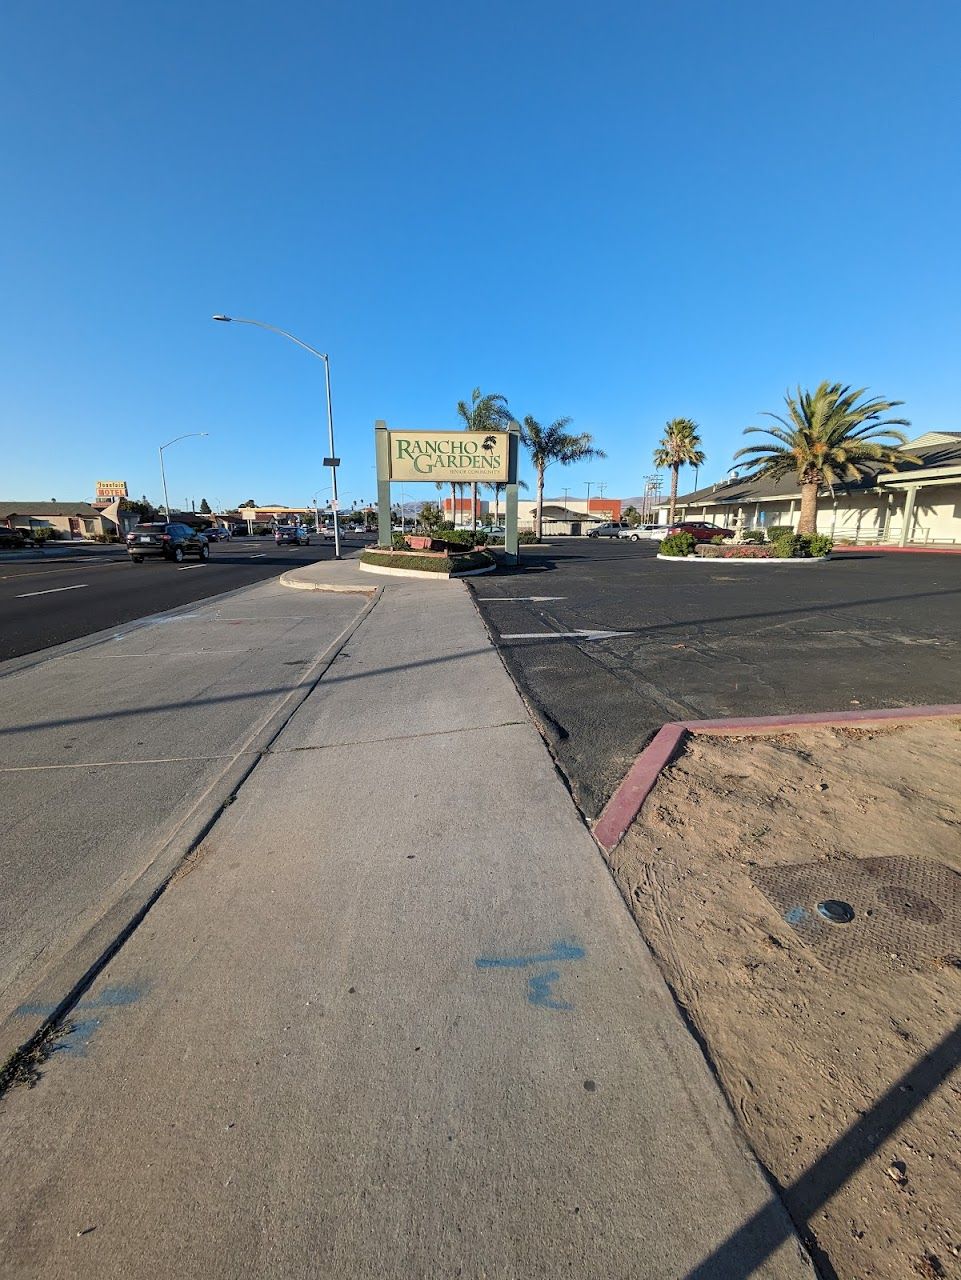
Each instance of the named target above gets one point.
<point>645,532</point>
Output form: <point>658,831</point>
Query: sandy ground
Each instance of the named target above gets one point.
<point>837,1044</point>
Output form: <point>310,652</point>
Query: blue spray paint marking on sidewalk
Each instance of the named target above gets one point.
<point>559,951</point>
<point>78,1032</point>
<point>539,991</point>
<point>540,986</point>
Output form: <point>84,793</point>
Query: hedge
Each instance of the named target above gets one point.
<point>427,562</point>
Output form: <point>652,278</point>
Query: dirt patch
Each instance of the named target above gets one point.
<point>837,1043</point>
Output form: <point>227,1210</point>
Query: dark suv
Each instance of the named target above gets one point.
<point>172,541</point>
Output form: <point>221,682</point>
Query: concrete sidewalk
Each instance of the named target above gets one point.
<point>393,1020</point>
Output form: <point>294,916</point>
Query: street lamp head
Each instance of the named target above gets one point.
<point>225,319</point>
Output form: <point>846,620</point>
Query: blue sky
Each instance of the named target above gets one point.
<point>621,212</point>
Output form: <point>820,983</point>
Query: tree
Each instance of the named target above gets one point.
<point>249,503</point>
<point>633,516</point>
<point>484,413</point>
<point>204,507</point>
<point>827,437</point>
<point>430,516</point>
<point>680,444</point>
<point>499,487</point>
<point>552,444</point>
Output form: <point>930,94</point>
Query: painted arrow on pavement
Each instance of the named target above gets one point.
<point>565,635</point>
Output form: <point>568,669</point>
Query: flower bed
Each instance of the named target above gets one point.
<point>427,561</point>
<point>746,551</point>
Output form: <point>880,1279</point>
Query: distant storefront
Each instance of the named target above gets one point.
<point>66,519</point>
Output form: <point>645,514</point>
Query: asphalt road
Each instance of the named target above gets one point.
<point>863,630</point>
<point>43,604</point>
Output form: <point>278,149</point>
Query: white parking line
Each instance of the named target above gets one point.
<point>202,565</point>
<point>259,556</point>
<point>50,590</point>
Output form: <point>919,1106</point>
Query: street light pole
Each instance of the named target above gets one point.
<point>330,411</point>
<point>163,474</point>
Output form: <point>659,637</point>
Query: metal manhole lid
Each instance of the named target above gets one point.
<point>905,909</point>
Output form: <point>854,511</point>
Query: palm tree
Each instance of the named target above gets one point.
<point>680,444</point>
<point>484,413</point>
<point>554,444</point>
<point>499,487</point>
<point>825,438</point>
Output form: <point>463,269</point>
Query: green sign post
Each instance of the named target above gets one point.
<point>452,457</point>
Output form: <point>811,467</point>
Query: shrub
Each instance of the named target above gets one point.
<point>780,531</point>
<point>753,536</point>
<point>803,546</point>
<point>677,544</point>
<point>398,542</point>
<point>527,538</point>
<point>717,541</point>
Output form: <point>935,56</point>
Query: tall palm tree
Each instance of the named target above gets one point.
<point>679,445</point>
<point>824,438</point>
<point>552,444</point>
<point>484,413</point>
<point>498,487</point>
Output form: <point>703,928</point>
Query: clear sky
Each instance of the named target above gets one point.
<point>622,212</point>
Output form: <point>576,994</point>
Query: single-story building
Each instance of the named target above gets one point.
<point>569,515</point>
<point>920,504</point>
<point>68,519</point>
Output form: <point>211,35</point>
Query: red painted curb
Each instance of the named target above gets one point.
<point>626,802</point>
<point>910,551</point>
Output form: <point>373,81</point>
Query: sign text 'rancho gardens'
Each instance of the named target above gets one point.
<point>449,455</point>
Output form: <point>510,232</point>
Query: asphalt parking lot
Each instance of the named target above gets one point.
<point>866,629</point>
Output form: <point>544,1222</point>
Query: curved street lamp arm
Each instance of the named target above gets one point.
<point>283,333</point>
<point>185,436</point>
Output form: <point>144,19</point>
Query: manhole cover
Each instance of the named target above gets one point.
<point>902,909</point>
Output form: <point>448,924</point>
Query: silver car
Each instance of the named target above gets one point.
<point>645,532</point>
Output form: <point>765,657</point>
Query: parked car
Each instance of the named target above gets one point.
<point>217,533</point>
<point>238,531</point>
<point>291,534</point>
<point>169,541</point>
<point>14,539</point>
<point>645,532</point>
<point>607,530</point>
<point>701,530</point>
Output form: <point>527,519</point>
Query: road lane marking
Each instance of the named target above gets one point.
<point>564,635</point>
<point>512,599</point>
<point>50,590</point>
<point>259,556</point>
<point>202,565</point>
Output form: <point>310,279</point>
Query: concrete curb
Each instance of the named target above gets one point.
<point>286,580</point>
<point>425,574</point>
<point>626,802</point>
<point>715,560</point>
